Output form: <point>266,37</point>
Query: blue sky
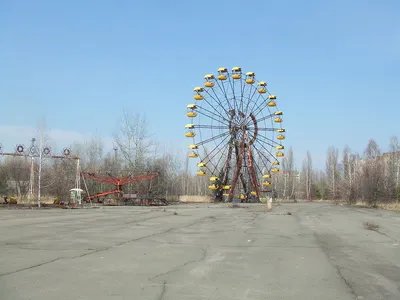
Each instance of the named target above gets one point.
<point>335,66</point>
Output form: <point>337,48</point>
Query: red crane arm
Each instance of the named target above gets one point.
<point>104,179</point>
<point>133,179</point>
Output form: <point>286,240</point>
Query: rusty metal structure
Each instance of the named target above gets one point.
<point>236,131</point>
<point>118,183</point>
<point>40,152</point>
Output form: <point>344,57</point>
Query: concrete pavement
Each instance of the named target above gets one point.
<point>203,251</point>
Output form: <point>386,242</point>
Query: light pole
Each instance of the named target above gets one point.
<point>32,152</point>
<point>40,152</point>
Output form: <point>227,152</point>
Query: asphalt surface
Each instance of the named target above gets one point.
<point>202,252</point>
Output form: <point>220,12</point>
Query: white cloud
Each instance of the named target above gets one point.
<point>11,135</point>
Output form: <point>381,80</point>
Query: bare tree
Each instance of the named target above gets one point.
<point>3,179</point>
<point>93,154</point>
<point>372,171</point>
<point>43,140</point>
<point>58,178</point>
<point>348,162</point>
<point>288,174</point>
<point>16,171</point>
<point>332,172</point>
<point>321,185</point>
<point>308,174</point>
<point>393,169</point>
<point>133,141</point>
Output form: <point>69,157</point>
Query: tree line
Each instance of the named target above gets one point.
<point>371,177</point>
<point>135,153</point>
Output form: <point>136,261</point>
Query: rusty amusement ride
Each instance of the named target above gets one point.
<point>236,131</point>
<point>118,183</point>
<point>76,193</point>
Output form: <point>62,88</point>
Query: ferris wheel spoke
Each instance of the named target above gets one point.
<point>263,157</point>
<point>213,117</point>
<point>211,127</point>
<point>208,156</point>
<point>251,98</point>
<point>256,109</point>
<point>268,141</point>
<point>260,107</point>
<point>227,166</point>
<point>224,92</point>
<point>242,87</point>
<point>232,85</point>
<point>261,144</point>
<point>218,113</point>
<point>210,165</point>
<point>216,100</point>
<point>265,117</point>
<point>256,165</point>
<point>212,113</point>
<point>251,170</point>
<point>212,139</point>
<point>254,103</point>
<point>217,167</point>
<point>264,129</point>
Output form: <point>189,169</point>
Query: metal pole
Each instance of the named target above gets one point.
<point>78,182</point>
<point>32,174</point>
<point>40,164</point>
<point>31,180</point>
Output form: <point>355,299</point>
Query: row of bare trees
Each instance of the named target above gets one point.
<point>371,177</point>
<point>135,152</point>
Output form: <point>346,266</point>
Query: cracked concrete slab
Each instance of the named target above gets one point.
<point>203,252</point>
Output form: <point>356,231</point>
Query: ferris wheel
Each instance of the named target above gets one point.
<point>236,131</point>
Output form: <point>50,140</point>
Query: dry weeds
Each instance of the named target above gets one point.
<point>371,226</point>
<point>393,206</point>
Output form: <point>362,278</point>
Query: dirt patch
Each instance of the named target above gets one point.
<point>237,205</point>
<point>371,226</point>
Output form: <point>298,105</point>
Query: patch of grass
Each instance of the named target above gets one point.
<point>371,226</point>
<point>323,201</point>
<point>393,206</point>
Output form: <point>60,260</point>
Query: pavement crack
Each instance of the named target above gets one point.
<point>350,287</point>
<point>164,289</point>
<point>203,257</point>
<point>104,249</point>
<point>31,267</point>
<point>139,239</point>
<point>325,249</point>
<point>384,234</point>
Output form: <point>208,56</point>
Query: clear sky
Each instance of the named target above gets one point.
<point>335,66</point>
